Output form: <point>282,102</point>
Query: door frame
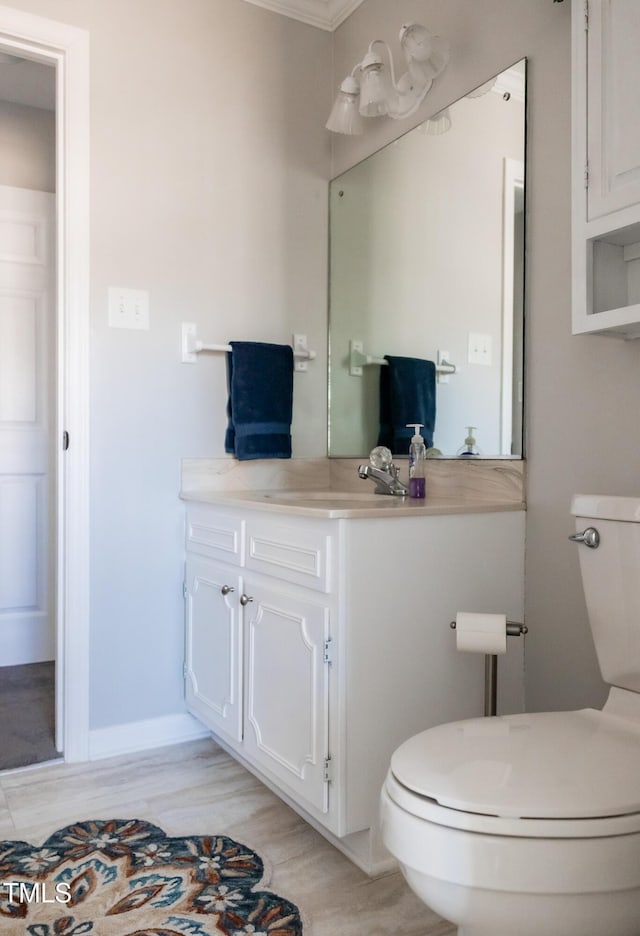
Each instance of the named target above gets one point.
<point>513,179</point>
<point>67,49</point>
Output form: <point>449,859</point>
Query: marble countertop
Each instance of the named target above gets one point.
<point>331,504</point>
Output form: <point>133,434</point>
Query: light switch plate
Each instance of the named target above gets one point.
<point>128,308</point>
<point>480,349</point>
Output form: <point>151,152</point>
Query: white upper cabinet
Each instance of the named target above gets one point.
<point>606,167</point>
<point>613,111</point>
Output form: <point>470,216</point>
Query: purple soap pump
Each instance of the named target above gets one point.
<point>417,456</point>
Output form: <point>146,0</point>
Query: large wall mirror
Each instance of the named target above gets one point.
<point>427,262</point>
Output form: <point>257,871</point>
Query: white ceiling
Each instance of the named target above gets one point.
<point>325,14</point>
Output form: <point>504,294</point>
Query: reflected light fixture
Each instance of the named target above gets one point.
<point>371,89</point>
<point>439,123</point>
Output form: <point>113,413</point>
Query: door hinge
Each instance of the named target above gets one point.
<point>65,440</point>
<point>185,590</point>
<point>185,670</point>
<point>586,175</point>
<point>326,655</point>
<point>328,769</point>
<point>586,15</point>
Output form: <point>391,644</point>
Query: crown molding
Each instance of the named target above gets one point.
<point>325,14</point>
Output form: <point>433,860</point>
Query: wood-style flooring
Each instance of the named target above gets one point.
<point>196,788</point>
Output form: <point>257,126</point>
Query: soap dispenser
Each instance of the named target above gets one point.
<point>469,449</point>
<point>417,456</point>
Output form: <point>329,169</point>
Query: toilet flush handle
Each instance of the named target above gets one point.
<point>590,537</point>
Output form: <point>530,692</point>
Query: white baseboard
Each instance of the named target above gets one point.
<point>143,735</point>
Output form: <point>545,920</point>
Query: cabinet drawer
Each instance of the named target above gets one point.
<point>296,552</point>
<point>215,533</point>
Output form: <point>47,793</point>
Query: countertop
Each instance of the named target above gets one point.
<point>334,505</point>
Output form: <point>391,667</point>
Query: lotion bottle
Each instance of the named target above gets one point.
<point>469,449</point>
<point>417,456</point>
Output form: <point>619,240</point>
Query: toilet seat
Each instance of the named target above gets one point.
<point>556,774</point>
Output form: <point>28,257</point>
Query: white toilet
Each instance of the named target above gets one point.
<point>529,825</point>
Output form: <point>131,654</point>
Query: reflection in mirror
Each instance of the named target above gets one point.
<point>427,262</point>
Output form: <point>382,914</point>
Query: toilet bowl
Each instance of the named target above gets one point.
<point>530,824</point>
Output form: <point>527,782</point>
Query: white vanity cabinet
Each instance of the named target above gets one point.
<point>286,726</point>
<point>334,645</point>
<point>606,167</point>
<point>258,640</point>
<point>213,646</point>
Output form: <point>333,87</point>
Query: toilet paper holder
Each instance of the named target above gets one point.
<point>514,629</point>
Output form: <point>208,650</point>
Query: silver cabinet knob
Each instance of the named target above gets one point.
<point>590,537</point>
<point>245,599</point>
<point>227,589</point>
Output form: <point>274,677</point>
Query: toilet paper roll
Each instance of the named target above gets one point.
<point>481,633</point>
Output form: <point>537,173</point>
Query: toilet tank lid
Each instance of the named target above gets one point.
<point>606,507</point>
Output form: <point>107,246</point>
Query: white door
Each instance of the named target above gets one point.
<point>27,355</point>
<point>287,690</point>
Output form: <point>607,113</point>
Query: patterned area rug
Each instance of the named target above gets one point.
<point>126,877</point>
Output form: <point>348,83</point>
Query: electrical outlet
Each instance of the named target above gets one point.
<point>479,349</point>
<point>128,308</point>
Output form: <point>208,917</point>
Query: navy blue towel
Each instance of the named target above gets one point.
<point>260,400</point>
<point>407,395</point>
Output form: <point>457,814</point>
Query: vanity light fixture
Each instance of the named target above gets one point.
<point>371,89</point>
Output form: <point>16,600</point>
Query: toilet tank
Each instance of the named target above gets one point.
<point>611,583</point>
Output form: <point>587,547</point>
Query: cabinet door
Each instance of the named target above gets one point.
<point>213,657</point>
<point>613,105</point>
<point>287,690</point>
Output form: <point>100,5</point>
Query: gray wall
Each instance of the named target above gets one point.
<point>27,147</point>
<point>209,167</point>
<point>580,391</point>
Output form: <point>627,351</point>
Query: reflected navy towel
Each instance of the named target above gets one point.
<point>260,403</point>
<point>407,395</point>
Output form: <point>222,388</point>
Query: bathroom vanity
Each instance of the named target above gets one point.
<point>318,638</point>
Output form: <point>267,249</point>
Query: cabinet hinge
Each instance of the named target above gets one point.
<point>328,769</point>
<point>326,655</point>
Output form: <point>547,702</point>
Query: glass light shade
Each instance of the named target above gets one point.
<point>439,123</point>
<point>345,115</point>
<point>375,87</point>
<point>482,90</point>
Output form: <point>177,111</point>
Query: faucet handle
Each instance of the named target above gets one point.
<point>381,457</point>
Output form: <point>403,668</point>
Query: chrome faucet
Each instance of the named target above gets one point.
<point>383,472</point>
